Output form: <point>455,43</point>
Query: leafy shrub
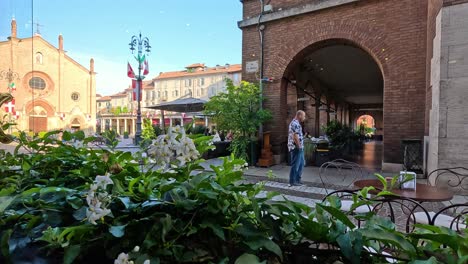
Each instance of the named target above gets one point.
<point>67,203</point>
<point>148,130</point>
<point>238,110</point>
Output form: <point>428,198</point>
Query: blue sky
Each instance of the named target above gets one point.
<point>181,32</point>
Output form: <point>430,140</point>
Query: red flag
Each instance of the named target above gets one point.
<point>130,72</point>
<point>135,88</point>
<point>146,68</point>
<point>10,106</point>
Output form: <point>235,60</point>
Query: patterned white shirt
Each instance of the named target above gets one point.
<point>295,128</point>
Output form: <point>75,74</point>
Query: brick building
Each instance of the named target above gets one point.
<point>51,90</point>
<point>341,59</point>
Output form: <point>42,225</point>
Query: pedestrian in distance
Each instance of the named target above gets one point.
<point>296,149</point>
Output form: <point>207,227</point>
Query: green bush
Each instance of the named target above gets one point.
<point>179,213</point>
<point>41,134</point>
<point>238,110</point>
<point>198,129</point>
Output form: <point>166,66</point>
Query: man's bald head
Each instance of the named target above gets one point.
<point>300,115</point>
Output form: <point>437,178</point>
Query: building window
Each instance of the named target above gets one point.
<point>236,78</point>
<point>76,96</point>
<point>202,91</point>
<point>202,81</point>
<point>176,93</point>
<point>37,83</point>
<point>159,94</point>
<point>39,58</point>
<point>188,82</point>
<point>165,94</point>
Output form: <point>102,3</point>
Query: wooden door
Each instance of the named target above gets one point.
<point>37,124</point>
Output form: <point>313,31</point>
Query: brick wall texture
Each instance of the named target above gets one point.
<point>396,33</point>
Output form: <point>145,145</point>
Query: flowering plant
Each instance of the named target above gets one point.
<point>61,204</point>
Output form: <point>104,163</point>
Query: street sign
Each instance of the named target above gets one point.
<point>251,66</point>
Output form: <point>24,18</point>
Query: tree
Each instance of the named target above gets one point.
<point>148,130</point>
<point>238,110</point>
<point>125,110</point>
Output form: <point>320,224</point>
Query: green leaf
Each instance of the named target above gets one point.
<point>257,243</point>
<point>248,259</point>
<point>5,242</point>
<point>166,226</point>
<point>450,240</point>
<point>71,253</point>
<point>80,214</point>
<point>382,180</point>
<point>117,231</point>
<point>338,215</point>
<point>395,239</point>
<point>5,201</point>
<point>66,136</point>
<point>215,228</point>
<point>432,260</point>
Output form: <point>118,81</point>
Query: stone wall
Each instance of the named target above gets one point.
<point>448,145</point>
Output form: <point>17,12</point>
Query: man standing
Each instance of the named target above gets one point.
<point>296,149</point>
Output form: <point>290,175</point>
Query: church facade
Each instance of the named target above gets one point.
<point>51,90</point>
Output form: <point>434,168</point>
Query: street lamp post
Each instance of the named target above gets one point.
<point>143,48</point>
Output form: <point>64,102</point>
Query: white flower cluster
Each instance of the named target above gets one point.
<point>125,259</point>
<point>174,148</point>
<point>242,167</point>
<point>98,199</point>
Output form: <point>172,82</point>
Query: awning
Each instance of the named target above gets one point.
<point>181,105</point>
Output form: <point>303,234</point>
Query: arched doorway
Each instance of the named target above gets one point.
<point>366,125</point>
<point>38,119</point>
<point>335,80</point>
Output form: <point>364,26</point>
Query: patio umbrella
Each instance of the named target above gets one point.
<point>181,105</point>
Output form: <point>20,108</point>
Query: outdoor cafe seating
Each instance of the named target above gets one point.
<point>429,203</point>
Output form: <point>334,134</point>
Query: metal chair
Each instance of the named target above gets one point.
<point>340,173</point>
<point>455,178</point>
<point>451,216</point>
<point>403,212</point>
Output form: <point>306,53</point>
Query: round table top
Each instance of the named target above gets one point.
<point>423,192</point>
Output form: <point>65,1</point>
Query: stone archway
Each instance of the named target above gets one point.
<point>39,111</point>
<point>77,122</point>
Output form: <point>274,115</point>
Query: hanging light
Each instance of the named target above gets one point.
<point>323,107</point>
